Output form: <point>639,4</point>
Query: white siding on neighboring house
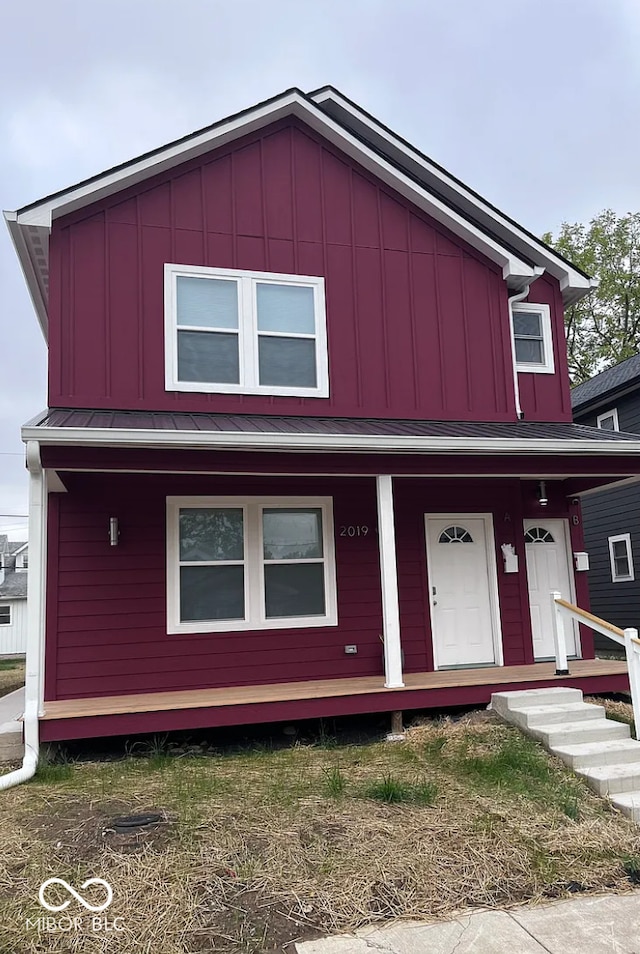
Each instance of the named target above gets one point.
<point>13,637</point>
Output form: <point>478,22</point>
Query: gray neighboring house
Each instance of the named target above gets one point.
<point>14,565</point>
<point>611,401</point>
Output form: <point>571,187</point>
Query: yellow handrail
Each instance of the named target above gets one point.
<point>594,619</point>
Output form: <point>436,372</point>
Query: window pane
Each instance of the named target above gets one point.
<point>5,615</point>
<point>292,534</point>
<point>287,362</point>
<point>529,351</point>
<point>294,589</point>
<point>208,357</point>
<point>527,323</point>
<point>607,424</point>
<point>208,534</point>
<point>209,302</point>
<point>285,308</point>
<point>211,592</point>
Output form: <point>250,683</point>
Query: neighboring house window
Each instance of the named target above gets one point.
<point>532,338</point>
<point>609,420</point>
<point>5,616</point>
<point>621,558</point>
<point>249,563</point>
<point>22,562</point>
<point>245,332</point>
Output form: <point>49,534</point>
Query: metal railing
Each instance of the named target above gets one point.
<point>562,611</point>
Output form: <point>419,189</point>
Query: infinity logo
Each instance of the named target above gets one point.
<point>74,893</point>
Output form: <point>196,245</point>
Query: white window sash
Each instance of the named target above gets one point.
<point>548,366</point>
<point>615,576</point>
<point>248,333</point>
<point>601,418</point>
<point>5,615</point>
<point>254,563</point>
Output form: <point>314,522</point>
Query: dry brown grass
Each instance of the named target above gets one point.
<point>11,676</point>
<point>255,851</point>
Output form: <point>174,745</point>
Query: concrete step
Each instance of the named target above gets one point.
<point>504,702</point>
<point>613,779</point>
<point>592,754</point>
<point>550,714</point>
<point>572,733</point>
<point>11,744</point>
<point>629,804</point>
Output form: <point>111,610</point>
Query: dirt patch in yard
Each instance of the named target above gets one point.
<point>259,847</point>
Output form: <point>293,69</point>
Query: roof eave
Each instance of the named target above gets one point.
<point>310,443</point>
<point>33,279</point>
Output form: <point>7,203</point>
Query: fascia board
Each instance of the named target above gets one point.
<point>355,443</point>
<point>573,284</point>
<point>293,103</point>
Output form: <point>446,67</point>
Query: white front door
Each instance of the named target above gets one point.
<point>548,569</point>
<point>462,619</point>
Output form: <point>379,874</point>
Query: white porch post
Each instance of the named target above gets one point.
<point>389,576</point>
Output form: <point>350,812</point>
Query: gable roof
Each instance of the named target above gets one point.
<point>14,586</point>
<point>601,386</point>
<point>522,256</point>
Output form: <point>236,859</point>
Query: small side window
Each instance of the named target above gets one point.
<point>621,558</point>
<point>5,616</point>
<point>532,339</point>
<point>608,421</point>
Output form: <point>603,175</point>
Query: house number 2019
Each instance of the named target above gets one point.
<point>351,531</point>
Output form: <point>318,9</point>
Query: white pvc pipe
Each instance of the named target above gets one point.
<point>35,619</point>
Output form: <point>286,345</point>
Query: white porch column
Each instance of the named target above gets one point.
<point>389,576</point>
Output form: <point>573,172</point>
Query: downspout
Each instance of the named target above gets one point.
<point>35,619</point>
<point>513,300</point>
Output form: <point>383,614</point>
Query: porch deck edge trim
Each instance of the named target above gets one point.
<point>321,689</point>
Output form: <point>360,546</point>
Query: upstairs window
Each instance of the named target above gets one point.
<point>237,332</point>
<point>621,558</point>
<point>608,421</point>
<point>532,338</point>
<point>5,615</point>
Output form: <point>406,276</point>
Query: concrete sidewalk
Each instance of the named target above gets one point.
<point>11,706</point>
<point>587,925</point>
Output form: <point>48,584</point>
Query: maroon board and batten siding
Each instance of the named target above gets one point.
<point>106,609</point>
<point>417,320</point>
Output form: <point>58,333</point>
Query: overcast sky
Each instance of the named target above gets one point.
<point>534,103</point>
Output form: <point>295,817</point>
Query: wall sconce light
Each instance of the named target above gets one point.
<point>543,500</point>
<point>114,531</point>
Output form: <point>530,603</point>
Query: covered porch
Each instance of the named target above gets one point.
<point>393,493</point>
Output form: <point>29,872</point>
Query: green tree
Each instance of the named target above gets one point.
<point>603,328</point>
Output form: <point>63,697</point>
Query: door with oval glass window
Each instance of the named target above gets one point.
<point>548,569</point>
<point>462,615</point>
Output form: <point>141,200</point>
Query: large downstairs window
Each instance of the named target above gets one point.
<point>244,332</point>
<point>249,563</point>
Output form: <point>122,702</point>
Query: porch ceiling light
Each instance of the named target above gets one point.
<point>543,500</point>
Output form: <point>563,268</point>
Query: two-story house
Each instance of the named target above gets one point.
<point>309,447</point>
<point>610,401</point>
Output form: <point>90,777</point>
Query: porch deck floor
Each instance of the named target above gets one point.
<point>327,689</point>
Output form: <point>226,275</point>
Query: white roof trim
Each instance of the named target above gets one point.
<point>515,269</point>
<point>354,443</point>
<point>572,282</point>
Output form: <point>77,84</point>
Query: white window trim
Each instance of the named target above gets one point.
<point>6,606</point>
<point>254,566</point>
<point>247,332</point>
<point>626,539</point>
<point>547,339</point>
<point>602,417</point>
